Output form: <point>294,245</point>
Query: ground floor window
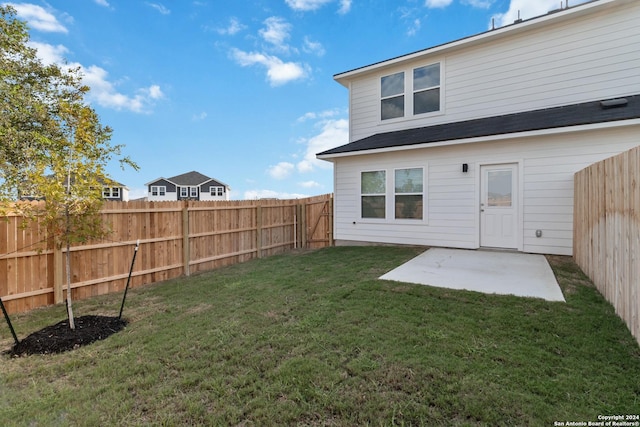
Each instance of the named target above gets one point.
<point>402,198</point>
<point>158,190</point>
<point>373,194</point>
<point>408,188</point>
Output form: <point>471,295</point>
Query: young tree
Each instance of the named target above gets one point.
<point>52,145</point>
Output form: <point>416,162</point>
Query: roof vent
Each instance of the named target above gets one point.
<point>614,103</point>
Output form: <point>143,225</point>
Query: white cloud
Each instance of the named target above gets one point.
<point>276,32</point>
<point>104,3</point>
<point>306,5</point>
<point>481,4</point>
<point>103,92</point>
<point>234,27</point>
<point>271,194</point>
<point>527,9</point>
<point>309,184</point>
<point>321,115</point>
<point>434,4</point>
<point>414,27</point>
<point>50,54</point>
<point>159,7</point>
<point>38,18</point>
<point>333,134</point>
<point>281,171</point>
<point>345,7</point>
<point>278,72</point>
<point>199,117</point>
<point>313,47</point>
<point>311,5</point>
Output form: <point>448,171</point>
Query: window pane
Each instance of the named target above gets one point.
<point>392,108</point>
<point>409,207</point>
<point>392,85</point>
<point>373,207</point>
<point>426,77</point>
<point>426,101</point>
<point>373,182</point>
<point>499,188</point>
<point>409,180</point>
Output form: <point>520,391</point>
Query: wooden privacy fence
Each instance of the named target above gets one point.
<point>176,238</point>
<point>606,240</point>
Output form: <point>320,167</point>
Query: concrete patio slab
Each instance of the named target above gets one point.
<point>492,272</point>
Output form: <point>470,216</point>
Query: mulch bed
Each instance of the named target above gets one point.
<point>59,338</point>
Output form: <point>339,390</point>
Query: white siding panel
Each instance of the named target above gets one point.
<point>547,165</point>
<point>587,58</point>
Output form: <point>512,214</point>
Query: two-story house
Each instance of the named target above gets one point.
<point>187,186</point>
<point>474,143</point>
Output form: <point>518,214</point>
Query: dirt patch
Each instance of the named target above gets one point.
<point>59,338</point>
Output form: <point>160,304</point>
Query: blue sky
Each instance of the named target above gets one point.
<point>241,91</point>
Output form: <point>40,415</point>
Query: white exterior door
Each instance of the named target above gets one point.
<point>499,206</point>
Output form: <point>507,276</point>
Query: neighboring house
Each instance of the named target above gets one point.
<point>188,186</point>
<point>474,143</point>
<point>113,191</point>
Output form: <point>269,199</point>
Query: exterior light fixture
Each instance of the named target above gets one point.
<point>465,167</point>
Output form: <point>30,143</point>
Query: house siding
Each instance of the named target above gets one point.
<point>586,58</point>
<point>546,167</point>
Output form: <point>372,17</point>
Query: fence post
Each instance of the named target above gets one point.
<point>185,238</point>
<point>303,226</point>
<point>58,273</point>
<point>330,227</point>
<point>259,231</point>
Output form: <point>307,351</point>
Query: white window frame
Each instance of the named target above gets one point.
<point>384,194</point>
<point>414,90</point>
<point>390,196</point>
<point>106,192</point>
<point>184,191</point>
<point>193,192</point>
<point>409,93</point>
<point>216,190</point>
<point>158,190</point>
<point>423,194</point>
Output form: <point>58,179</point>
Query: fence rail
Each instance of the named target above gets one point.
<point>176,238</point>
<point>607,231</point>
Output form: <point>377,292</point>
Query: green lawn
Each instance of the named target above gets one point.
<point>313,338</point>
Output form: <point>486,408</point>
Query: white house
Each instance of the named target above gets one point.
<point>187,186</point>
<point>474,143</point>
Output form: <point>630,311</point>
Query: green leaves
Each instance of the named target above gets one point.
<point>52,144</point>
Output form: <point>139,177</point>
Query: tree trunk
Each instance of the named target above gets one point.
<point>72,324</point>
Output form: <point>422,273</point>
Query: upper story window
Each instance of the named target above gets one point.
<point>413,93</point>
<point>426,89</point>
<point>158,190</point>
<point>392,92</point>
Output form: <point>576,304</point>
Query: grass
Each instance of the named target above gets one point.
<point>313,338</point>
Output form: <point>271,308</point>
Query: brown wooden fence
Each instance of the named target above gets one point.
<point>606,237</point>
<point>176,238</point>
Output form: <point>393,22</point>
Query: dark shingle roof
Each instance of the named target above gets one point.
<point>548,118</point>
<point>189,178</point>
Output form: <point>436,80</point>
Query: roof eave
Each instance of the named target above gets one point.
<point>514,135</point>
